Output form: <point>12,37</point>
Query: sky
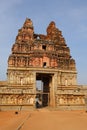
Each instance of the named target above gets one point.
<point>70,17</point>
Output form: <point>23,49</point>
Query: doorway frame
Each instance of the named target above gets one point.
<point>51,95</point>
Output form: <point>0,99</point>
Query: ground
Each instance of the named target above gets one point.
<point>43,119</point>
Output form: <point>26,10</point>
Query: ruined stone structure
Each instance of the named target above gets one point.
<point>44,58</point>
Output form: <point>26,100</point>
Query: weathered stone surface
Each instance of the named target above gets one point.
<point>41,57</point>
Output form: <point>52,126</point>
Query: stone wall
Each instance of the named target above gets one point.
<point>47,56</point>
<point>16,96</point>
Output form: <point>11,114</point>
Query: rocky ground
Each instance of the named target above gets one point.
<point>43,119</point>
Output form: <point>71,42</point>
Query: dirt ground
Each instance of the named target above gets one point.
<point>43,119</point>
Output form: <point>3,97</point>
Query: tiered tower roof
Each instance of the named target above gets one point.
<point>38,50</point>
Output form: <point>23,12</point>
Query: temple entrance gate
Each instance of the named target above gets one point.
<point>43,88</point>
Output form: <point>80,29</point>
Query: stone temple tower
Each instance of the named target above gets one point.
<point>44,58</point>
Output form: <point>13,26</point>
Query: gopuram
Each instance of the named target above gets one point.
<point>44,61</point>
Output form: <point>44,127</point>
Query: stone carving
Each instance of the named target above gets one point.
<point>69,100</point>
<point>26,32</point>
<point>17,100</point>
<point>43,57</point>
<point>53,43</point>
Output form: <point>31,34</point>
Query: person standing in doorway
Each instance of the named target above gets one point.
<point>36,102</point>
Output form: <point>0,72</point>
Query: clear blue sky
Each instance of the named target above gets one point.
<point>70,17</point>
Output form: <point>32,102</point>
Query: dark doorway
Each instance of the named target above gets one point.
<point>43,88</point>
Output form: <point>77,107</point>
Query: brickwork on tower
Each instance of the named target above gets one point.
<point>44,57</point>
